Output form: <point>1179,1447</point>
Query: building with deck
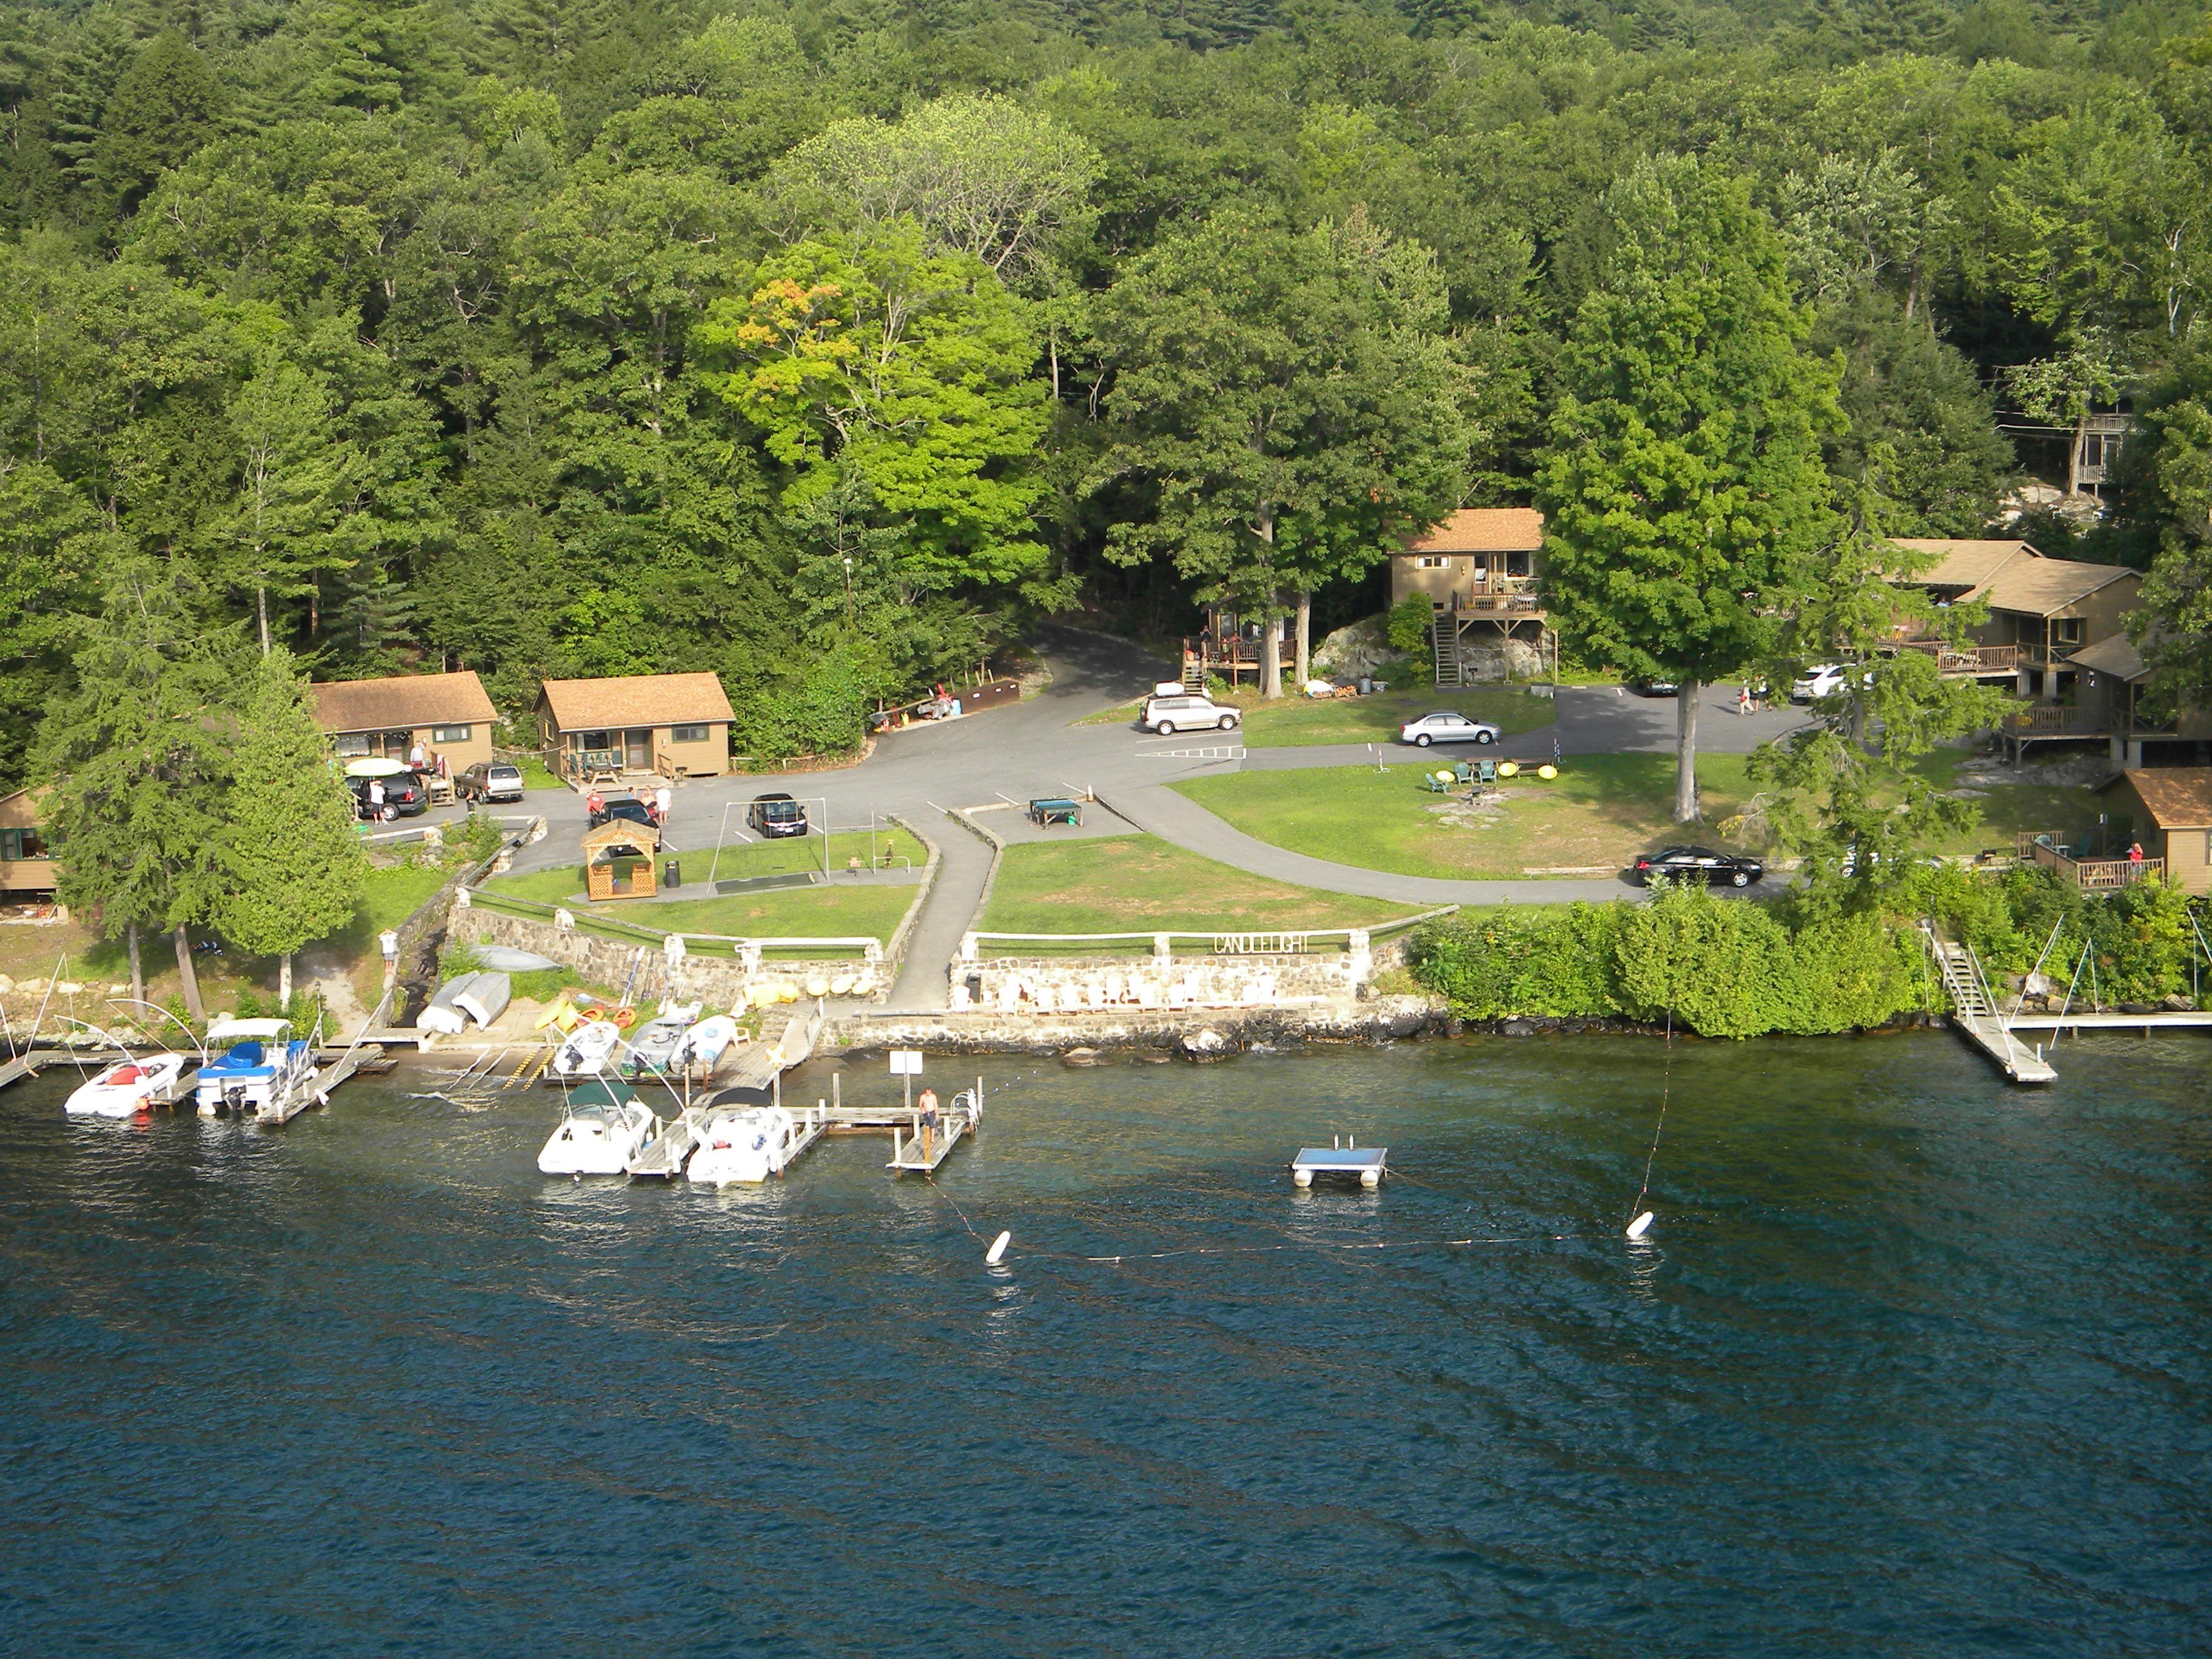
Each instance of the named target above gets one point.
<point>1478,571</point>
<point>27,865</point>
<point>448,714</point>
<point>669,725</point>
<point>2170,809</point>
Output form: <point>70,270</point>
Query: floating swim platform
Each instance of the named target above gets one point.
<point>1366,1164</point>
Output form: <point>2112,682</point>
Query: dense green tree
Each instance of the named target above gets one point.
<point>138,758</point>
<point>1685,485</point>
<point>1288,404</point>
<point>291,860</point>
<point>166,106</point>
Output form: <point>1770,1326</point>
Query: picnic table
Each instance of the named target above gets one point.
<point>1045,813</point>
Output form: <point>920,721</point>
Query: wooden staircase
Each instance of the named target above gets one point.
<point>1443,641</point>
<point>1973,1013</point>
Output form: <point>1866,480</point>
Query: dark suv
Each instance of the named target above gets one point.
<point>630,811</point>
<point>404,796</point>
<point>775,817</point>
<point>490,781</point>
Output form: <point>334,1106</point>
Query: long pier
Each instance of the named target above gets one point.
<point>1973,1013</point>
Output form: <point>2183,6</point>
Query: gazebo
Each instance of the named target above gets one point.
<point>615,841</point>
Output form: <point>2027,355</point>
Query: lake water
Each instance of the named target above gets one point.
<point>1912,1363</point>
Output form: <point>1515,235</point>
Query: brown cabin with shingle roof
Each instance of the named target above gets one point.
<point>673,725</point>
<point>2171,807</point>
<point>2042,611</point>
<point>27,864</point>
<point>448,714</point>
<point>1478,550</point>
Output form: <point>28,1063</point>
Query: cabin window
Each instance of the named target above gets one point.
<point>2067,631</point>
<point>22,844</point>
<point>451,733</point>
<point>687,733</point>
<point>1516,564</point>
<point>591,740</point>
<point>1430,561</point>
<point>351,745</point>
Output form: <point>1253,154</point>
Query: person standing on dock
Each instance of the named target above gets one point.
<point>928,1104</point>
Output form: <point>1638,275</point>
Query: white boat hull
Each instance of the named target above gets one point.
<point>596,1146</point>
<point>104,1096</point>
<point>743,1147</point>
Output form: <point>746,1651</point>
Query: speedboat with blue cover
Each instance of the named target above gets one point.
<point>264,1067</point>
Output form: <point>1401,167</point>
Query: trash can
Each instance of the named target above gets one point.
<point>1366,686</point>
<point>675,876</point>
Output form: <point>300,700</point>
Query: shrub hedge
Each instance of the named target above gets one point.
<point>1725,967</point>
<point>1729,967</point>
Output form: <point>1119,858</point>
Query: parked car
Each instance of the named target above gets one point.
<point>490,781</point>
<point>1822,680</point>
<point>1187,712</point>
<point>1445,726</point>
<point>1655,688</point>
<point>775,817</point>
<point>1698,864</point>
<point>405,796</point>
<point>628,811</point>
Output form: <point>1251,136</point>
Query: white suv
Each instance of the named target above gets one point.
<point>1186,713</point>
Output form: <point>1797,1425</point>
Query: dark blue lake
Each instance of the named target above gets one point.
<point>1912,1363</point>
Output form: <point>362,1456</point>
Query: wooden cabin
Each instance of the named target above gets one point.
<point>27,864</point>
<point>446,714</point>
<point>1478,569</point>
<point>669,726</point>
<point>2170,808</point>
<point>618,860</point>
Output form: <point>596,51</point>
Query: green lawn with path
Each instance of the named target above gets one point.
<point>1594,817</point>
<point>842,908</point>
<point>1136,884</point>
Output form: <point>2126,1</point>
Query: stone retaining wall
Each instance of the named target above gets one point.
<point>1197,1032</point>
<point>721,979</point>
<point>1014,986</point>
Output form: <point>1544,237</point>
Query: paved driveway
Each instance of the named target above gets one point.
<point>1037,747</point>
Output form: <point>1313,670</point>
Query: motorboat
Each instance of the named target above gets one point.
<point>586,1050</point>
<point>702,1045</point>
<point>602,1129</point>
<point>128,1087</point>
<point>744,1141</point>
<point>652,1045</point>
<point>266,1067</point>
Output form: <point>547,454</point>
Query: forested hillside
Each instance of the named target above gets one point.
<point>819,346</point>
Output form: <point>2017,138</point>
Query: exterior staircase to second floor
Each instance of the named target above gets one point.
<point>1443,641</point>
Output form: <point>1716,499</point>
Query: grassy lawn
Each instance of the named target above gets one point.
<point>803,912</point>
<point>1598,813</point>
<point>2010,807</point>
<point>535,773</point>
<point>1131,883</point>
<point>1294,722</point>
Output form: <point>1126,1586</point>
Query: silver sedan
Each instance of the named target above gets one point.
<point>1447,727</point>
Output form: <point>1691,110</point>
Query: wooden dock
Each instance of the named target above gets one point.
<point>911,1154</point>
<point>678,1138</point>
<point>1366,1164</point>
<point>2087,1020</point>
<point>1973,1014</point>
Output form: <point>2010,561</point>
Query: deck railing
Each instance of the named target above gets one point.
<point>1968,659</point>
<point>2052,720</point>
<point>2096,875</point>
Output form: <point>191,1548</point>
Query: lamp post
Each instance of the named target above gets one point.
<point>849,590</point>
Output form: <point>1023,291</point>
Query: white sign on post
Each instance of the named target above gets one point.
<point>906,1062</point>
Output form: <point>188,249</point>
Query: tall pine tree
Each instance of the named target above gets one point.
<point>1683,485</point>
<point>291,860</point>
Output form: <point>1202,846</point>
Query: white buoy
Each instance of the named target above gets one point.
<point>998,1249</point>
<point>1641,1225</point>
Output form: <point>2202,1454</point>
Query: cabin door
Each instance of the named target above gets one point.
<point>637,750</point>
